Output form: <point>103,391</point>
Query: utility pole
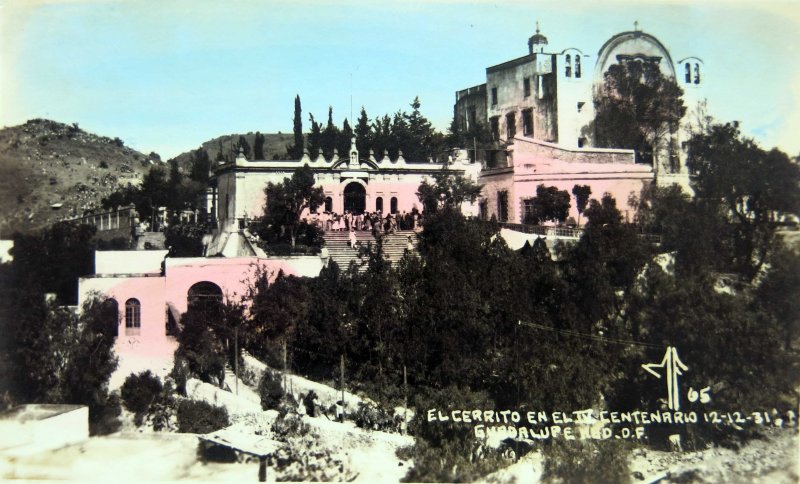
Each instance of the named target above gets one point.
<point>236,355</point>
<point>341,382</point>
<point>285,378</point>
<point>405,400</point>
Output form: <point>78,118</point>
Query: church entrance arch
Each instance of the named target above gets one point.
<point>355,197</point>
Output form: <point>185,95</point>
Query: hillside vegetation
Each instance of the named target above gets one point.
<point>44,163</point>
<point>274,147</point>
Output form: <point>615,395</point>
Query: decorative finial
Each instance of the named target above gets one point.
<point>636,26</point>
<point>537,26</point>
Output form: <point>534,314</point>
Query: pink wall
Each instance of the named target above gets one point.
<point>151,338</point>
<point>232,275</point>
<point>159,293</point>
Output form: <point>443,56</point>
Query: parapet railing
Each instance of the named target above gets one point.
<point>563,232</point>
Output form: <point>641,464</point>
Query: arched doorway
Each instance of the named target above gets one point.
<point>204,295</point>
<point>355,198</point>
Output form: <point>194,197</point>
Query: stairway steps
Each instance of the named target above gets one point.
<point>394,246</point>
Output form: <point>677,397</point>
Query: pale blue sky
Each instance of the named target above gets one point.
<point>167,75</point>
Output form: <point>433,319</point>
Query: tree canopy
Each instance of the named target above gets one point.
<point>637,107</point>
<point>287,201</point>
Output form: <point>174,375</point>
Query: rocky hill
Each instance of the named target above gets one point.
<point>51,171</point>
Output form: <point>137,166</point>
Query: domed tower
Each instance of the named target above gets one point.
<point>537,42</point>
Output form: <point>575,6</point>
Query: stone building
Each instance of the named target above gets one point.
<point>540,107</point>
<point>356,183</point>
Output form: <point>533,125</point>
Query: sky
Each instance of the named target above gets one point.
<point>166,76</point>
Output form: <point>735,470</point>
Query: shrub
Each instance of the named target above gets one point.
<point>140,391</point>
<point>375,418</point>
<point>201,417</point>
<point>270,390</point>
<point>586,461</point>
<point>289,425</point>
<point>104,418</point>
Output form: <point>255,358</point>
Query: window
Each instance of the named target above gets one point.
<point>133,316</point>
<point>473,116</point>
<point>494,124</point>
<point>328,204</point>
<point>502,206</point>
<point>541,86</point>
<point>697,73</point>
<point>580,105</point>
<point>528,212</point>
<point>577,66</point>
<point>568,66</point>
<point>526,86</point>
<point>494,96</point>
<point>581,142</point>
<point>379,204</point>
<point>511,126</point>
<point>393,204</point>
<point>205,296</point>
<point>483,209</point>
<point>688,77</point>
<point>527,122</point>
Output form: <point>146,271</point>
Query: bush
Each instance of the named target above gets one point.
<point>451,462</point>
<point>201,417</point>
<point>140,391</point>
<point>270,390</point>
<point>587,461</point>
<point>104,418</point>
<point>289,425</point>
<point>375,418</point>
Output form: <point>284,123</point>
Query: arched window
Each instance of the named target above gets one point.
<point>568,66</point>
<point>204,295</point>
<point>688,73</point>
<point>393,205</point>
<point>328,204</point>
<point>379,204</point>
<point>133,316</point>
<point>697,73</point>
<point>577,66</point>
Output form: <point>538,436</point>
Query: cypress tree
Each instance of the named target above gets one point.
<point>296,150</point>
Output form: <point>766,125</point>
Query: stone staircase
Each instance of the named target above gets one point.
<point>394,246</point>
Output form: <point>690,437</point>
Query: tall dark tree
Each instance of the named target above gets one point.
<point>314,138</point>
<point>329,135</point>
<point>295,151</point>
<point>242,146</point>
<point>363,133</point>
<point>424,141</point>
<point>258,146</point>
<point>201,164</point>
<point>343,139</point>
<point>637,107</point>
<point>581,193</point>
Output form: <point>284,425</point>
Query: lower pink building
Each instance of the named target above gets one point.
<point>150,288</point>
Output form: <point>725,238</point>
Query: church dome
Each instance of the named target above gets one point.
<point>537,41</point>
